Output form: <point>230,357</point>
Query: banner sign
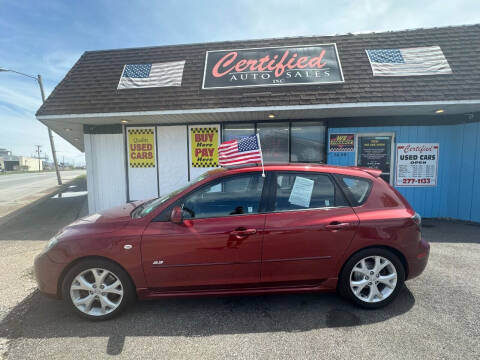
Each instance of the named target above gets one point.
<point>287,65</point>
<point>204,146</point>
<point>342,142</point>
<point>141,148</point>
<point>417,164</point>
<point>374,152</point>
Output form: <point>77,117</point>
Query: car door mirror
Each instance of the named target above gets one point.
<point>177,215</point>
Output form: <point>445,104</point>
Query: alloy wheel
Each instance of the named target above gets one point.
<point>373,279</point>
<point>96,292</point>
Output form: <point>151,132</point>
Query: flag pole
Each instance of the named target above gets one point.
<point>261,155</point>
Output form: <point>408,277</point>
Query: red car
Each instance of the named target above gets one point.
<point>300,228</point>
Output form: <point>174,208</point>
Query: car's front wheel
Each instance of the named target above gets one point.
<point>372,278</point>
<point>97,289</point>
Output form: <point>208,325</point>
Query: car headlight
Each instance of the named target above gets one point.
<point>51,243</point>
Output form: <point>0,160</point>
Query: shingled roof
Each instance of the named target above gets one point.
<point>91,85</point>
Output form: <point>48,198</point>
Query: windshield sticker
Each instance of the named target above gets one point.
<point>301,192</point>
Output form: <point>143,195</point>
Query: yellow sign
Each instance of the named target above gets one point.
<point>204,146</point>
<point>141,148</point>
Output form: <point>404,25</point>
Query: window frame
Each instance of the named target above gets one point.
<point>346,191</point>
<point>273,191</point>
<point>180,202</point>
<point>325,139</point>
<point>291,123</point>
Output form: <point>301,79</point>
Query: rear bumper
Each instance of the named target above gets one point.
<point>47,274</point>
<point>418,262</point>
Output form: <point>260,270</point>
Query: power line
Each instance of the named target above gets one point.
<point>38,151</point>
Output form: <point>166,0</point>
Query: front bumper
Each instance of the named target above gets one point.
<point>47,274</point>
<point>418,262</point>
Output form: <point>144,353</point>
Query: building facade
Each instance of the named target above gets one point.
<point>150,119</point>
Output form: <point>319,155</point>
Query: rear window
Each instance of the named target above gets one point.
<point>297,191</point>
<point>357,189</point>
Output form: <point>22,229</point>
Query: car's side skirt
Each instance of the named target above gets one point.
<point>327,285</point>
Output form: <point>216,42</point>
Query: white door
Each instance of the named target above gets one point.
<point>172,154</point>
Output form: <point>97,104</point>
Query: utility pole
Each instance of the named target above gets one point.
<point>52,144</point>
<point>38,151</point>
<point>38,79</point>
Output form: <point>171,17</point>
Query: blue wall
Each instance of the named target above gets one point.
<point>457,194</point>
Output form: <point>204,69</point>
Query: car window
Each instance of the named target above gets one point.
<point>236,195</point>
<point>357,189</point>
<point>150,205</point>
<point>296,191</point>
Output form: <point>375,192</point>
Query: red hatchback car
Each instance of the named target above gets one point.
<point>300,228</point>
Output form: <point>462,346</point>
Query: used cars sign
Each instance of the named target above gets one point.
<point>288,65</point>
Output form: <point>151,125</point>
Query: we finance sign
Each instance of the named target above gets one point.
<point>273,66</point>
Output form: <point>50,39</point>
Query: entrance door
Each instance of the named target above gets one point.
<point>172,158</point>
<point>219,244</point>
<point>376,151</point>
<point>310,227</point>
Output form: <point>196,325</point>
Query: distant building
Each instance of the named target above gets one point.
<point>9,162</point>
<point>5,153</point>
<point>30,164</point>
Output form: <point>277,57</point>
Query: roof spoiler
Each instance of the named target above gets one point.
<point>374,172</point>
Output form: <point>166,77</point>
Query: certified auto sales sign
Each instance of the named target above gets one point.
<point>287,65</point>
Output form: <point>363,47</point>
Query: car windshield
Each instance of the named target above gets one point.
<point>148,206</point>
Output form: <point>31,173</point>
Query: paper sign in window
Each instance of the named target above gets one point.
<point>301,192</point>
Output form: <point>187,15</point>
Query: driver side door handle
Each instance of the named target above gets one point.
<point>335,225</point>
<point>243,232</point>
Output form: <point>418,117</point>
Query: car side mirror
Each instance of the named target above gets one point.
<point>176,215</point>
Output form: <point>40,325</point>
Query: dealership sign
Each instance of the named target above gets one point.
<point>204,146</point>
<point>417,164</point>
<point>141,147</point>
<point>342,142</point>
<point>288,65</point>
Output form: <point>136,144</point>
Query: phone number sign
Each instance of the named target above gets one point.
<point>417,164</point>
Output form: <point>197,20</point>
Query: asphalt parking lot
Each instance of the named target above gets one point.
<point>436,315</point>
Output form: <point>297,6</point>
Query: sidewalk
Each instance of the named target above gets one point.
<point>19,190</point>
<point>22,237</point>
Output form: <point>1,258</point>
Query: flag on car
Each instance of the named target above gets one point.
<point>408,62</point>
<point>245,150</point>
<point>136,76</point>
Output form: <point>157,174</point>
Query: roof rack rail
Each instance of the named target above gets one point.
<point>241,166</point>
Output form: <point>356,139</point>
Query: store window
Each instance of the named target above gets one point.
<point>237,131</point>
<point>274,141</point>
<point>284,142</point>
<point>308,142</point>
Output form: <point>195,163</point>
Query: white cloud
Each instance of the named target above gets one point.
<point>58,63</point>
<point>21,96</point>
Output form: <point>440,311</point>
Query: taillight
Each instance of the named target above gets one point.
<point>417,219</point>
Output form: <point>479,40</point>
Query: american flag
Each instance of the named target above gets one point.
<point>245,150</point>
<point>408,62</point>
<point>136,76</point>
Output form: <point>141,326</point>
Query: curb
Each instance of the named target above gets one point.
<point>27,207</point>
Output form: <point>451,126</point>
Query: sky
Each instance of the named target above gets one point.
<point>47,37</point>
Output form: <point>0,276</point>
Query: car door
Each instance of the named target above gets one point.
<point>310,225</point>
<point>217,245</point>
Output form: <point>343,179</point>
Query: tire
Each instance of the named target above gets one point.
<point>367,290</point>
<point>97,289</point>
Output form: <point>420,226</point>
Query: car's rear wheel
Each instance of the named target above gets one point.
<point>372,278</point>
<point>98,289</point>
